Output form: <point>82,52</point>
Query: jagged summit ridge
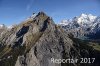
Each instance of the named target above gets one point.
<point>86,19</point>
<point>81,20</point>
<point>82,25</point>
<point>34,41</point>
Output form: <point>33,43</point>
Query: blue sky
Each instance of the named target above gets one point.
<point>15,11</point>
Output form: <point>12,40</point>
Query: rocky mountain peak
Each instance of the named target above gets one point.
<point>37,25</point>
<point>41,20</point>
<point>38,36</point>
<point>36,41</point>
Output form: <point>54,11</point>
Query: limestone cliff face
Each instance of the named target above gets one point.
<point>37,40</point>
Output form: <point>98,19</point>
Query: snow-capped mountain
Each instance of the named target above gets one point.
<point>83,25</point>
<point>85,19</point>
<point>65,22</point>
<point>31,17</point>
<point>1,25</point>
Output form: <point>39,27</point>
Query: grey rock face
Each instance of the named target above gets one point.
<point>51,44</point>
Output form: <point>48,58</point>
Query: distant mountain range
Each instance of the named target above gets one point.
<point>4,26</point>
<point>85,26</point>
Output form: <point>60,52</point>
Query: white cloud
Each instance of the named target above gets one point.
<point>29,4</point>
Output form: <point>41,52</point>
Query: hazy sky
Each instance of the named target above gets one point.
<point>15,11</point>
